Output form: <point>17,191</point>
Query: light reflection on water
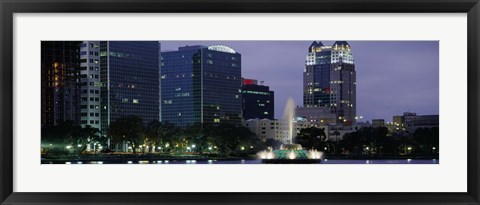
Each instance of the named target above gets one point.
<point>249,161</point>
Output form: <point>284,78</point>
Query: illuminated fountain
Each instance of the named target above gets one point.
<point>290,153</point>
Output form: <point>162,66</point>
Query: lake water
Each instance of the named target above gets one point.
<point>249,161</point>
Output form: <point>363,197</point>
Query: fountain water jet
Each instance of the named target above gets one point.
<point>290,153</point>
<point>289,115</point>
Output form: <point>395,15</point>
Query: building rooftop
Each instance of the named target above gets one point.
<point>341,43</point>
<point>222,48</point>
<point>187,47</point>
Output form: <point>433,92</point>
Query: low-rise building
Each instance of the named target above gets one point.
<point>378,122</point>
<point>411,121</point>
<point>317,115</point>
<point>277,129</point>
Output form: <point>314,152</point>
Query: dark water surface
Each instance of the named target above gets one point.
<point>248,161</point>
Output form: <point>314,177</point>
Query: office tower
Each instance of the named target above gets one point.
<point>257,100</point>
<point>90,83</point>
<point>129,74</point>
<point>60,96</point>
<point>329,80</point>
<point>201,84</point>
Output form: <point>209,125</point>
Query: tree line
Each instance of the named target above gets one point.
<point>373,142</point>
<point>130,134</point>
<point>164,137</point>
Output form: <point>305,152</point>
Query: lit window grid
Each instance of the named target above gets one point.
<point>221,83</point>
<point>138,66</point>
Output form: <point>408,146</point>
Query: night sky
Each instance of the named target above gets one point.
<point>392,76</point>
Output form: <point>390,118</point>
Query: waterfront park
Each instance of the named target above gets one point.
<point>130,141</point>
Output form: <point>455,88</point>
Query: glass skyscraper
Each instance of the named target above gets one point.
<point>129,74</point>
<point>60,71</point>
<point>257,100</point>
<point>329,80</point>
<point>201,84</point>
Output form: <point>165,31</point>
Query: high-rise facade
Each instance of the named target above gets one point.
<point>201,84</point>
<point>329,80</point>
<point>257,100</point>
<point>129,77</point>
<point>60,70</point>
<point>90,83</point>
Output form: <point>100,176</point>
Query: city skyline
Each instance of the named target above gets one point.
<point>116,101</point>
<point>389,73</point>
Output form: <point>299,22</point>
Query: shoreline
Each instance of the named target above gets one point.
<point>199,157</point>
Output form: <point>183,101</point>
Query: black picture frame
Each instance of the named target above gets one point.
<point>10,7</point>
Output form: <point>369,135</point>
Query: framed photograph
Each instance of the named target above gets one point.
<point>190,102</point>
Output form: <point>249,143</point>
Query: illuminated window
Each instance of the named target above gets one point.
<point>135,101</point>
